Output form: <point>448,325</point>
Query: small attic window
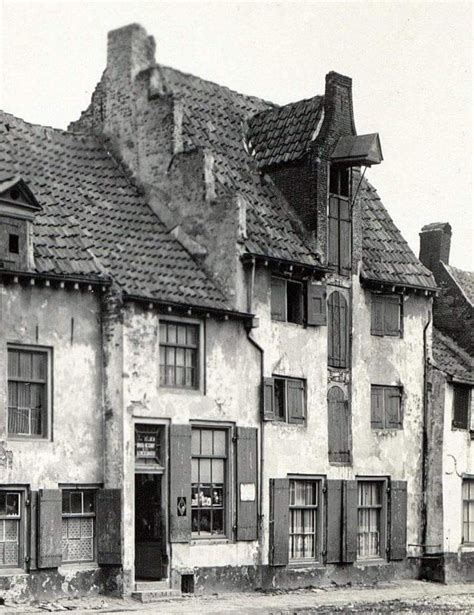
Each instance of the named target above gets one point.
<point>14,194</point>
<point>339,180</point>
<point>14,243</point>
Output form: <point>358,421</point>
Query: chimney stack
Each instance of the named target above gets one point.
<point>435,244</point>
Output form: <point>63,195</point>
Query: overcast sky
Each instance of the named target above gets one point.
<point>411,65</point>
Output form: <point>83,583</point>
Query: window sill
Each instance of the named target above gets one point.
<point>310,565</point>
<point>18,438</point>
<point>210,541</point>
<point>467,548</point>
<point>180,391</point>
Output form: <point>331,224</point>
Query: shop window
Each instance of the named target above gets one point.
<point>339,220</point>
<point>10,520</point>
<point>461,406</point>
<point>338,331</point>
<point>28,392</point>
<point>386,315</point>
<point>179,355</point>
<point>370,520</point>
<point>386,407</point>
<point>78,525</point>
<point>304,520</point>
<point>208,482</point>
<point>285,399</point>
<point>468,510</point>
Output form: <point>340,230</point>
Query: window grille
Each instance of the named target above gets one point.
<point>10,517</point>
<point>78,525</point>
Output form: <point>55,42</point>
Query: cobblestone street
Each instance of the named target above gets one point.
<point>409,597</point>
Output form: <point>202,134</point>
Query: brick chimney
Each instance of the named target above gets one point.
<point>338,109</point>
<point>435,244</point>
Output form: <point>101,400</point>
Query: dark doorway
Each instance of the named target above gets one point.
<point>149,535</point>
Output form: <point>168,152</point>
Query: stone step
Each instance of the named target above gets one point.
<point>141,586</point>
<point>156,595</point>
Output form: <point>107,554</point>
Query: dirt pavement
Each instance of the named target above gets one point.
<point>408,597</point>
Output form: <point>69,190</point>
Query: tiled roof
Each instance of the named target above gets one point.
<point>213,118</point>
<point>94,223</point>
<point>464,279</point>
<point>452,359</point>
<point>285,133</point>
<point>386,256</point>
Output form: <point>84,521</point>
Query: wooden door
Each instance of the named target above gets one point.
<point>148,527</point>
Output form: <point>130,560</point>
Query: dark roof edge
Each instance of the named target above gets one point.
<point>248,256</point>
<point>196,309</point>
<point>451,378</point>
<point>447,268</point>
<point>57,277</point>
<point>371,281</point>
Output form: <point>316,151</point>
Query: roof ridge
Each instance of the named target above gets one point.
<point>61,131</point>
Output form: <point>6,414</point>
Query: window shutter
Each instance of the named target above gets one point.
<point>247,461</point>
<point>338,331</point>
<point>278,298</point>
<point>33,522</point>
<point>50,528</point>
<point>338,426</point>
<point>350,521</point>
<point>108,526</point>
<point>316,304</point>
<point>333,231</point>
<point>398,519</point>
<point>345,236</point>
<point>391,323</point>
<point>376,408</point>
<point>279,521</point>
<point>461,406</point>
<point>295,401</point>
<point>334,521</point>
<point>376,315</point>
<point>392,403</point>
<point>180,482</point>
<point>268,399</point>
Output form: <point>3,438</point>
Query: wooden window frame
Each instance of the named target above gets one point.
<point>47,415</point>
<point>196,348</point>
<point>383,299</point>
<point>301,298</point>
<point>464,535</point>
<point>286,418</point>
<point>82,515</point>
<point>465,423</point>
<point>319,511</point>
<point>383,507</point>
<point>347,198</point>
<point>227,499</point>
<point>22,525</point>
<point>385,388</point>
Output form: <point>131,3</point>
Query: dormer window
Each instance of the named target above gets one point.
<point>339,219</point>
<point>14,243</point>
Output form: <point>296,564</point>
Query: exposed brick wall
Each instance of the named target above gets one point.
<point>435,245</point>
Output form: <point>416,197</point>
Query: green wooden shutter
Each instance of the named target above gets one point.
<point>392,404</point>
<point>376,315</point>
<point>33,531</point>
<point>316,305</point>
<point>279,521</point>
<point>391,323</point>
<point>109,526</point>
<point>376,408</point>
<point>349,551</point>
<point>333,231</point>
<point>247,467</point>
<point>334,521</point>
<point>180,482</point>
<point>278,298</point>
<point>295,401</point>
<point>268,399</point>
<point>398,519</point>
<point>345,236</point>
<point>50,528</point>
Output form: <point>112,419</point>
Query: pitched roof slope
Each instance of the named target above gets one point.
<point>285,133</point>
<point>94,223</point>
<point>386,256</point>
<point>213,118</point>
<point>464,279</point>
<point>452,359</point>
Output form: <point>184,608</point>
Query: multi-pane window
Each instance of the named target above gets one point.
<point>304,519</point>
<point>369,526</point>
<point>78,525</point>
<point>338,330</point>
<point>10,517</point>
<point>27,392</point>
<point>208,481</point>
<point>468,510</point>
<point>386,315</point>
<point>461,406</point>
<point>386,407</point>
<point>289,399</point>
<point>339,220</point>
<point>287,300</point>
<point>179,349</point>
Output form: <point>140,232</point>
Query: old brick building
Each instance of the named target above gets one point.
<point>229,335</point>
<point>450,467</point>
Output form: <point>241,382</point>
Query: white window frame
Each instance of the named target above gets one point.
<point>320,511</point>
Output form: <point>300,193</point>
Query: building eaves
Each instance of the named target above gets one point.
<point>452,359</point>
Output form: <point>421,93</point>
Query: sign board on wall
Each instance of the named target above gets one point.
<point>247,492</point>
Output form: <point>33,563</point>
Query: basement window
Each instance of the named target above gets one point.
<point>13,244</point>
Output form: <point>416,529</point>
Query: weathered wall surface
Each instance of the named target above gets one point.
<point>68,322</point>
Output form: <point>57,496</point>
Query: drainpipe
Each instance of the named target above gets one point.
<point>424,459</point>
